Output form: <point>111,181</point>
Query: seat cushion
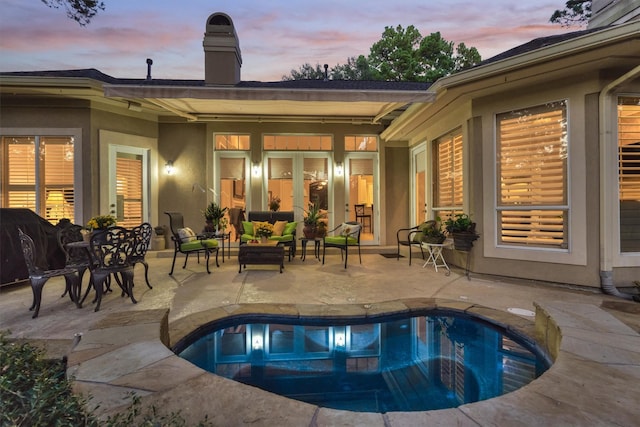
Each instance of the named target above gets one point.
<point>285,238</point>
<point>339,240</point>
<point>186,235</point>
<point>198,245</point>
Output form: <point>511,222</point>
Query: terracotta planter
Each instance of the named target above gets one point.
<point>310,231</point>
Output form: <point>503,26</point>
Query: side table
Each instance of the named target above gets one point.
<point>316,247</point>
<point>221,237</point>
<point>435,254</point>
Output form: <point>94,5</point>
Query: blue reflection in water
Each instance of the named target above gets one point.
<point>401,364</point>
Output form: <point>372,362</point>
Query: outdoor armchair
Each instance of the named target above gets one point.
<point>345,235</point>
<point>412,237</point>
<point>186,242</point>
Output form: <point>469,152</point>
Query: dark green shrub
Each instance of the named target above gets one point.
<point>34,392</point>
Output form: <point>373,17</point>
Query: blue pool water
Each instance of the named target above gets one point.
<point>418,363</point>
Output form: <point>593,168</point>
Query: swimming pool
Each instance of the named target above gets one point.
<point>434,360</point>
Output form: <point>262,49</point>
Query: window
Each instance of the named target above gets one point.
<point>360,143</point>
<point>38,174</point>
<point>629,172</point>
<point>448,191</point>
<point>532,176</point>
<point>298,142</point>
<point>232,142</point>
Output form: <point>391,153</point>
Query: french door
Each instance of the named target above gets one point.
<point>361,183</point>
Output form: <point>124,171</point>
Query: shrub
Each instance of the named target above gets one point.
<point>34,392</point>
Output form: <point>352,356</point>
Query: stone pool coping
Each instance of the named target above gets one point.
<point>592,382</point>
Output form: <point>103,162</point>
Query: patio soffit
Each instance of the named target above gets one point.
<point>202,104</point>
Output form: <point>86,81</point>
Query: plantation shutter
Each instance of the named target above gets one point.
<point>448,195</point>
<point>532,188</point>
<point>21,172</point>
<point>58,178</point>
<point>129,189</point>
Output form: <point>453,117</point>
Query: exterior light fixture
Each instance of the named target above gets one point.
<point>256,169</point>
<point>169,168</point>
<point>339,169</point>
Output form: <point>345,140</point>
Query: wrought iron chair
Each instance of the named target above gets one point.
<point>111,251</point>
<point>186,242</point>
<point>141,241</point>
<point>361,216</point>
<point>349,235</point>
<point>412,237</point>
<point>39,276</point>
<point>76,258</point>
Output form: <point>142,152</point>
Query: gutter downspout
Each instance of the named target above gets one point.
<point>608,198</point>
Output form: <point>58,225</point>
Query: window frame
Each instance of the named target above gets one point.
<point>533,207</point>
<point>446,211</point>
<point>76,135</point>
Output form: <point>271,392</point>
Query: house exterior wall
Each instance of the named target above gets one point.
<point>579,265</point>
<point>190,146</point>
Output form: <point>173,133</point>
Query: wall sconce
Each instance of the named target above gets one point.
<point>255,169</point>
<point>169,168</point>
<point>340,339</point>
<point>257,343</point>
<point>339,169</point>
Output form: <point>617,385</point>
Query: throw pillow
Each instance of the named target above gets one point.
<point>350,230</point>
<point>247,226</point>
<point>278,228</point>
<point>186,235</point>
<point>289,228</point>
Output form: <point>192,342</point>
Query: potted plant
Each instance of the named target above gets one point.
<point>433,233</point>
<point>312,217</point>
<point>213,215</point>
<point>274,204</point>
<point>264,231</point>
<point>463,231</point>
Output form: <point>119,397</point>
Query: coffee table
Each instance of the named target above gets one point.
<point>270,253</point>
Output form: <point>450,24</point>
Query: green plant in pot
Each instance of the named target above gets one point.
<point>312,217</point>
<point>213,214</point>
<point>463,231</point>
<point>433,233</point>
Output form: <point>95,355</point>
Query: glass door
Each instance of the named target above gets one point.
<point>232,182</point>
<point>293,180</point>
<point>361,170</point>
<point>419,185</point>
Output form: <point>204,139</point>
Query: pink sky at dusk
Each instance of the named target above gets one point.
<point>275,36</point>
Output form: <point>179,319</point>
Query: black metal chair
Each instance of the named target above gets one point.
<point>189,243</point>
<point>349,235</point>
<point>76,258</point>
<point>141,241</point>
<point>39,276</point>
<point>111,251</point>
<point>412,237</point>
<point>361,216</point>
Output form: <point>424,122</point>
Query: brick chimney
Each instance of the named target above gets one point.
<point>222,57</point>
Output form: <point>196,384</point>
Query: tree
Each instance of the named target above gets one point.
<point>306,72</point>
<point>576,12</point>
<point>80,11</point>
<point>400,55</point>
